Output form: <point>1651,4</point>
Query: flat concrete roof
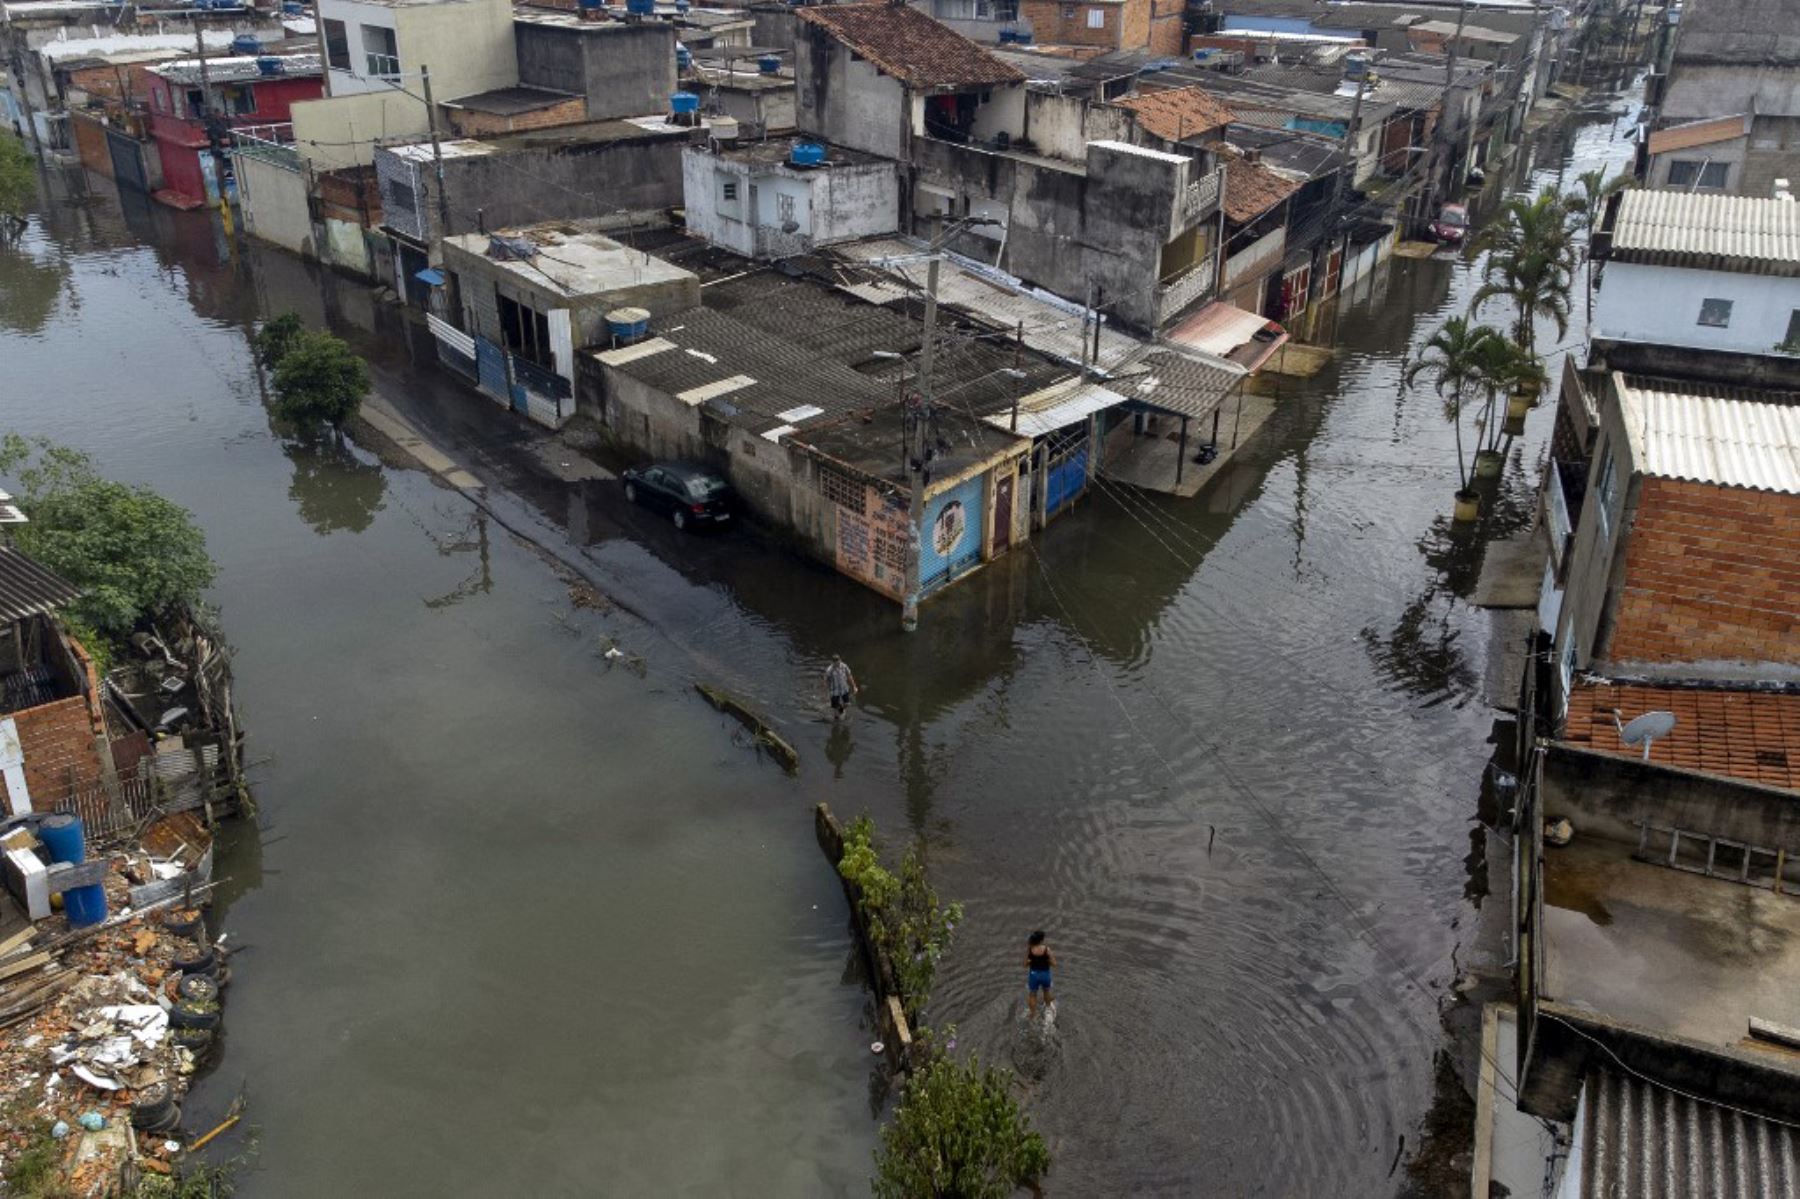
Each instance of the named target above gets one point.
<point>1665,949</point>
<point>579,264</point>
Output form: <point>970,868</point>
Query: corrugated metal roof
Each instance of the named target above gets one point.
<point>1726,436</point>
<point>1186,382</point>
<point>1646,1142</point>
<point>1055,407</point>
<point>1712,232</point>
<point>27,589</point>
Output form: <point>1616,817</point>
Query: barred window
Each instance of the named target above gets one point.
<point>843,490</point>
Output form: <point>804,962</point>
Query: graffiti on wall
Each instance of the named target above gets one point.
<point>871,543</point>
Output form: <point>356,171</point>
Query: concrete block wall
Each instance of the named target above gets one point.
<point>468,123</point>
<point>1712,575</point>
<point>623,70</point>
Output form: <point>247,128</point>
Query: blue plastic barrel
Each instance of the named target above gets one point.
<point>807,154</point>
<point>591,6</point>
<point>63,837</point>
<point>269,64</point>
<point>768,64</point>
<point>246,43</point>
<point>684,58</point>
<point>684,102</point>
<point>628,324</point>
<point>641,8</point>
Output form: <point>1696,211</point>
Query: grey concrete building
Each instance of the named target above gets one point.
<point>624,69</point>
<point>1735,71</point>
<point>758,199</point>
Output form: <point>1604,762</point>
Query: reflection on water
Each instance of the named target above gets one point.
<point>30,288</point>
<point>1228,752</point>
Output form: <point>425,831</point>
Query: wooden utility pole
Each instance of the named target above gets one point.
<point>1018,352</point>
<point>437,156</point>
<point>917,446</point>
<point>1348,170</point>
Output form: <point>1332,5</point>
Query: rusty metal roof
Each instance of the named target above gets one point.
<point>1731,437</point>
<point>1642,1139</point>
<point>910,46</point>
<point>27,589</point>
<point>1745,234</point>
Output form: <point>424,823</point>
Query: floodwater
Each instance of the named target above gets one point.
<point>520,918</point>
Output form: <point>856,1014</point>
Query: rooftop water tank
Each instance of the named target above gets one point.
<point>641,8</point>
<point>628,324</point>
<point>246,43</point>
<point>292,8</point>
<point>683,103</point>
<point>725,130</point>
<point>768,64</point>
<point>1356,66</point>
<point>684,58</point>
<point>807,154</point>
<point>268,64</point>
<point>681,7</point>
<point>590,8</point>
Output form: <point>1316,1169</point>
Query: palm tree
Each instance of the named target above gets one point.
<point>1530,260</point>
<point>1586,207</point>
<point>1454,357</point>
<point>1505,367</point>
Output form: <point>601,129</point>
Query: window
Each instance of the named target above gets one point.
<point>1096,18</point>
<point>785,211</point>
<point>1605,490</point>
<point>728,192</point>
<point>1006,10</point>
<point>1693,172</point>
<point>1068,11</point>
<point>383,52</point>
<point>1716,313</point>
<point>1791,343</point>
<point>240,101</point>
<point>196,102</point>
<point>525,331</point>
<point>337,45</point>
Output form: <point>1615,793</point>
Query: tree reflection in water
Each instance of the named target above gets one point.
<point>334,490</point>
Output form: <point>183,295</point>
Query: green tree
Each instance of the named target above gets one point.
<point>1455,357</point>
<point>957,1133</point>
<point>905,918</point>
<point>1530,261</point>
<point>134,554</point>
<point>319,381</point>
<point>277,336</point>
<point>18,184</point>
<point>1502,367</point>
<point>1587,206</point>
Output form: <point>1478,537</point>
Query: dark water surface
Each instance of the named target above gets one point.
<point>524,921</point>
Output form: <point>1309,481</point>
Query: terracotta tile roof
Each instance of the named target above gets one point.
<point>1699,133</point>
<point>910,46</point>
<point>1750,735</point>
<point>1251,189</point>
<point>1176,113</point>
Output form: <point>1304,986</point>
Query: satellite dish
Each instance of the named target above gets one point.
<point>1644,730</point>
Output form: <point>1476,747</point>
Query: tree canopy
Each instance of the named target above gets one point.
<point>17,184</point>
<point>134,554</point>
<point>957,1133</point>
<point>319,380</point>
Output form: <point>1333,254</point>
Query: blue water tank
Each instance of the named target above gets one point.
<point>641,8</point>
<point>628,324</point>
<point>63,837</point>
<point>684,58</point>
<point>681,7</point>
<point>269,64</point>
<point>292,8</point>
<point>684,102</point>
<point>591,6</point>
<point>246,43</point>
<point>807,154</point>
<point>768,64</point>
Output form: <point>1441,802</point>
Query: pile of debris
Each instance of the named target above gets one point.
<point>102,1027</point>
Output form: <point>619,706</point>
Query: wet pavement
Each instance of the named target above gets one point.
<point>523,920</point>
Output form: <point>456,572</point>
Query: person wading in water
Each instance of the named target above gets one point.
<point>840,685</point>
<point>1039,961</point>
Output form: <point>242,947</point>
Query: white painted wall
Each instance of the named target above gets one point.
<point>1661,305</point>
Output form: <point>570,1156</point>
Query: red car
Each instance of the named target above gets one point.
<point>1452,224</point>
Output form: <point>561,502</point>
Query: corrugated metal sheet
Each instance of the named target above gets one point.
<point>1712,232</point>
<point>27,589</point>
<point>1644,1142</point>
<point>1711,435</point>
<point>1055,408</point>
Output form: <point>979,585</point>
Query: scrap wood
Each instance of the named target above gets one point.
<point>81,934</point>
<point>17,939</point>
<point>20,965</point>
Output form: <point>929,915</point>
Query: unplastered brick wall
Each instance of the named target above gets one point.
<point>1712,574</point>
<point>468,123</point>
<point>58,741</point>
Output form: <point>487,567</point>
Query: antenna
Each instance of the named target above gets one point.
<point>1644,730</point>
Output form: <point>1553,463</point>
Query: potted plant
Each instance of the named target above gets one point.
<point>1453,357</point>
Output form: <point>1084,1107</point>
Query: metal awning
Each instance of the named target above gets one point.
<point>431,276</point>
<point>27,589</point>
<point>1181,383</point>
<point>1231,333</point>
<point>1057,407</point>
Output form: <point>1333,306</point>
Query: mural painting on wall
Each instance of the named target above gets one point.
<point>871,544</point>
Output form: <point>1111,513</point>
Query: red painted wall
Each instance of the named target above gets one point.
<point>181,139</point>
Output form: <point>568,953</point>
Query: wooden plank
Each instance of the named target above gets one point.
<point>1780,1034</point>
<point>17,939</point>
<point>30,962</point>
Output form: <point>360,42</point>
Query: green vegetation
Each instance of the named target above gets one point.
<point>318,379</point>
<point>957,1133</point>
<point>1586,208</point>
<point>1454,356</point>
<point>905,918</point>
<point>1531,262</point>
<point>35,1172</point>
<point>134,554</point>
<point>18,183</point>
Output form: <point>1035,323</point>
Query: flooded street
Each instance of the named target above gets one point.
<point>524,920</point>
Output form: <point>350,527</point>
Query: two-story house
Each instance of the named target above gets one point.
<point>194,105</point>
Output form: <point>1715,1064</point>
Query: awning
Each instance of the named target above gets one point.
<point>1232,334</point>
<point>1056,407</point>
<point>430,275</point>
<point>27,589</point>
<point>1179,382</point>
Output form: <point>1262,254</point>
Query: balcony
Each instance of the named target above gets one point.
<point>383,66</point>
<point>1198,201</point>
<point>1175,295</point>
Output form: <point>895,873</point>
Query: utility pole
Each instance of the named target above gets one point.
<point>1018,351</point>
<point>1348,170</point>
<point>437,156</point>
<point>206,100</point>
<point>917,446</point>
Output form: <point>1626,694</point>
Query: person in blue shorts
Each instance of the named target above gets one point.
<point>1039,961</point>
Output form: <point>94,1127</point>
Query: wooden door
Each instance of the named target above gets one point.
<point>1003,514</point>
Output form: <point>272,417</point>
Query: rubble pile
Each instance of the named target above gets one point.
<point>102,1028</point>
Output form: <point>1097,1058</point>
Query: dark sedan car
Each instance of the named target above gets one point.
<point>691,495</point>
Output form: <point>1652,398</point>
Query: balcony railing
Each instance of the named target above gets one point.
<point>1176,294</point>
<point>384,66</point>
<point>1197,201</point>
<point>268,143</point>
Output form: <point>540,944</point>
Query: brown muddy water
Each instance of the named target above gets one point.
<point>520,920</point>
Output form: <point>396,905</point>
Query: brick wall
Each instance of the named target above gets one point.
<point>1712,574</point>
<point>467,123</point>
<point>1168,31</point>
<point>1134,27</point>
<point>58,741</point>
<point>1049,25</point>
